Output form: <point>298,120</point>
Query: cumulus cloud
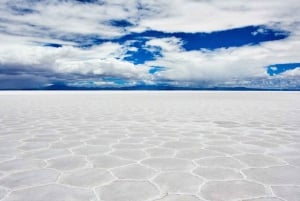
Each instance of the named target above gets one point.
<point>224,65</point>
<point>100,60</point>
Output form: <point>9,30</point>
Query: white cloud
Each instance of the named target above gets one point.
<point>224,64</point>
<point>213,15</point>
<point>100,60</point>
<point>168,15</point>
<point>291,73</point>
<point>165,44</point>
<point>67,17</point>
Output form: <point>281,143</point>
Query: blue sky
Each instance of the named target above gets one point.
<point>175,43</point>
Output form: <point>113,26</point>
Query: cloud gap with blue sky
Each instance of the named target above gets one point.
<point>149,44</point>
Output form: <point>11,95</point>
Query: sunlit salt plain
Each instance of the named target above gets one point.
<point>148,146</point>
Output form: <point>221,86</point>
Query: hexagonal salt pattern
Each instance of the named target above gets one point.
<point>52,192</point>
<point>149,146</point>
<point>232,190</point>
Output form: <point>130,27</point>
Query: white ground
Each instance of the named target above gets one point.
<point>146,146</point>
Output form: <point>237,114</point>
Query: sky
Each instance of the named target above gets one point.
<point>93,44</point>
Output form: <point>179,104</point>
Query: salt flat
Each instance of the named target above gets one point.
<point>149,146</point>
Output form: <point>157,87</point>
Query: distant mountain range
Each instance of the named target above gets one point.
<point>63,87</point>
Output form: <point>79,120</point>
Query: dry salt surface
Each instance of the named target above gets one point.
<point>149,146</point>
